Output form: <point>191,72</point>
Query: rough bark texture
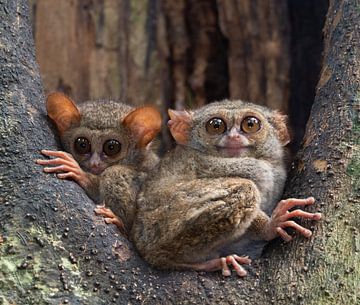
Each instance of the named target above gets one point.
<point>327,269</point>
<point>53,250</point>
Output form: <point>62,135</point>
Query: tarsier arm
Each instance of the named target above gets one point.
<point>268,228</point>
<point>238,167</point>
<point>66,167</point>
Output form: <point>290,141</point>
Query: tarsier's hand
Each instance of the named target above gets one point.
<point>65,166</point>
<point>281,216</point>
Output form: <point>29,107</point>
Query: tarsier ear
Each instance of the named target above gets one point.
<point>144,123</point>
<point>280,123</point>
<point>179,125</point>
<point>62,111</point>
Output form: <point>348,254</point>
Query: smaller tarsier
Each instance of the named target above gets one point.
<point>216,189</point>
<point>108,151</point>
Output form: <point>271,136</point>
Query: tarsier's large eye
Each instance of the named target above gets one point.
<point>82,146</point>
<point>111,147</point>
<point>215,126</point>
<point>250,124</point>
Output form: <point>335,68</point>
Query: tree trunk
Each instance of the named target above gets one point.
<point>85,49</point>
<point>54,250</point>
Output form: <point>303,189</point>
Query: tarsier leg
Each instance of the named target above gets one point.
<point>281,216</point>
<point>110,218</point>
<point>217,212</point>
<point>226,209</point>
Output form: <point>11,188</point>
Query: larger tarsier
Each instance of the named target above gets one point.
<point>215,190</point>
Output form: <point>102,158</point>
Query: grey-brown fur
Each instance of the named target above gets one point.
<point>111,179</point>
<point>120,182</point>
<point>197,202</point>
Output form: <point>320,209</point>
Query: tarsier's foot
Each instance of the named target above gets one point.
<point>281,215</point>
<point>110,217</point>
<point>223,263</point>
<point>64,165</point>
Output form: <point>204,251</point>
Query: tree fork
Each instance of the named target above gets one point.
<point>53,249</point>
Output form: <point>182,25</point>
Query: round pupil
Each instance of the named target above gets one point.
<point>215,126</point>
<point>112,147</point>
<point>250,125</point>
<point>251,122</point>
<point>82,145</point>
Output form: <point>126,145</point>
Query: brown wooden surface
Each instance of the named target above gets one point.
<point>258,57</point>
<point>180,54</point>
<point>96,49</point>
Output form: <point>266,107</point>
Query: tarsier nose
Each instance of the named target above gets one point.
<point>94,164</point>
<point>234,134</point>
<point>95,161</point>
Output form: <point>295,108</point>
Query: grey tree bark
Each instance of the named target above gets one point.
<point>54,250</point>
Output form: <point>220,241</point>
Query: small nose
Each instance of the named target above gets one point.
<point>234,133</point>
<point>95,160</point>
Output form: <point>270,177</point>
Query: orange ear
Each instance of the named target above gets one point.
<point>145,123</point>
<point>280,123</point>
<point>179,125</point>
<point>62,111</point>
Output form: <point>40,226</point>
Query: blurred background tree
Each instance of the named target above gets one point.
<point>183,53</point>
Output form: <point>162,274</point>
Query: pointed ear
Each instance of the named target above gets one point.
<point>144,123</point>
<point>179,125</point>
<point>62,111</point>
<point>280,122</point>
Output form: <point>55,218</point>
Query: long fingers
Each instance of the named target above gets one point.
<point>59,154</point>
<point>242,259</point>
<point>238,268</point>
<point>287,204</point>
<point>297,227</point>
<point>56,161</point>
<point>69,175</point>
<point>225,268</point>
<point>283,234</point>
<point>103,211</point>
<point>300,213</point>
<point>62,169</point>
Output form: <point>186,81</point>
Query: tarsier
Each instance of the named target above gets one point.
<point>108,151</point>
<point>217,188</point>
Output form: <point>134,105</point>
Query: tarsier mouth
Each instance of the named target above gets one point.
<point>232,150</point>
<point>96,170</point>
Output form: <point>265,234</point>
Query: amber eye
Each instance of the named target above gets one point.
<point>215,126</point>
<point>82,146</point>
<point>250,124</point>
<point>111,147</point>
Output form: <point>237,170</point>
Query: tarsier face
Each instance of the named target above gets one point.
<point>95,150</point>
<point>102,133</point>
<point>232,129</point>
<point>231,133</point>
